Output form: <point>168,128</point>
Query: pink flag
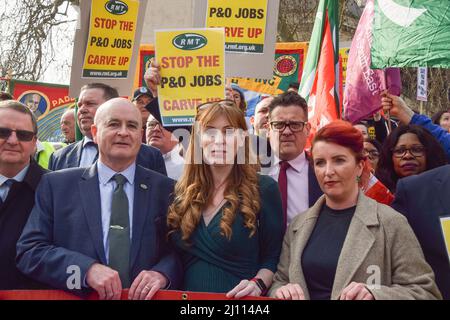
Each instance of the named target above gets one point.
<point>363,86</point>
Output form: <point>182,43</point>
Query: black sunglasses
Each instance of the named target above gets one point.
<point>22,135</point>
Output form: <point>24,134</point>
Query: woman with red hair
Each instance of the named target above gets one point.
<point>348,246</point>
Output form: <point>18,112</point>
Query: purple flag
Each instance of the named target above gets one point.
<point>363,86</point>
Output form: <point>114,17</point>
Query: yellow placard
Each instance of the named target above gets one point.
<point>244,23</point>
<point>111,39</point>
<point>343,52</point>
<point>192,72</point>
<point>445,224</point>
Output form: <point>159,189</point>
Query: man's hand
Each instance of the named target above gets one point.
<point>356,291</point>
<point>105,281</point>
<point>396,107</point>
<point>152,77</point>
<point>146,284</point>
<point>290,291</point>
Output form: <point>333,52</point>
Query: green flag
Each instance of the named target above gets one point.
<point>411,33</point>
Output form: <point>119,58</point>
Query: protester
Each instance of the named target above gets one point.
<point>19,177</point>
<point>363,129</point>
<point>372,149</point>
<point>333,249</point>
<point>288,131</point>
<point>260,120</point>
<point>398,108</point>
<point>157,136</point>
<point>68,125</point>
<point>85,152</point>
<point>442,119</point>
<point>408,150</point>
<point>142,97</point>
<point>424,200</point>
<point>239,98</point>
<point>226,220</point>
<point>107,220</point>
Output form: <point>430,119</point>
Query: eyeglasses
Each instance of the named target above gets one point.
<point>371,153</point>
<point>152,125</point>
<point>295,126</point>
<point>22,135</point>
<point>416,151</point>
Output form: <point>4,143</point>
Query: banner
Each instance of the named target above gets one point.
<point>159,295</point>
<point>411,33</point>
<point>422,83</point>
<point>192,72</point>
<point>48,102</point>
<point>244,23</point>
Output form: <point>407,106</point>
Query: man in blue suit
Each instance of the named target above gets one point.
<point>84,152</point>
<point>106,223</point>
<point>424,199</point>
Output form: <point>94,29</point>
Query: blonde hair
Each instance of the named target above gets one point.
<point>195,188</point>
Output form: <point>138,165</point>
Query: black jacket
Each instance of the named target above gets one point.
<point>13,215</point>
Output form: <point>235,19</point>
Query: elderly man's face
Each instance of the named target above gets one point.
<point>68,125</point>
<point>33,104</point>
<point>14,152</point>
<point>141,102</point>
<point>118,132</point>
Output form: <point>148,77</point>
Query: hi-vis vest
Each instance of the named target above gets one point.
<point>45,150</point>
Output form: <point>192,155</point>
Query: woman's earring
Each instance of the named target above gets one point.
<point>358,179</point>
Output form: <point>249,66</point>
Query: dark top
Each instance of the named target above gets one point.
<point>215,264</point>
<point>424,200</point>
<point>321,254</point>
<point>14,214</point>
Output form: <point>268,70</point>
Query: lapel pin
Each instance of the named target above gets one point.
<point>143,186</point>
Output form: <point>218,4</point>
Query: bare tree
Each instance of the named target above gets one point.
<point>28,41</point>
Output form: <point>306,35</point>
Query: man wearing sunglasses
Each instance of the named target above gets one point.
<point>288,132</point>
<point>19,177</point>
<point>85,152</point>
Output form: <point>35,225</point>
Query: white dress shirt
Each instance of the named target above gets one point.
<point>4,188</point>
<point>88,154</point>
<point>107,187</point>
<point>174,163</point>
<point>297,184</point>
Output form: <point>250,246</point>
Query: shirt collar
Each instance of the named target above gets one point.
<point>105,173</point>
<point>86,140</point>
<point>18,177</point>
<point>297,163</point>
<point>172,154</point>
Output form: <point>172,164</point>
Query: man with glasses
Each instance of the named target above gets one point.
<point>171,149</point>
<point>19,177</point>
<point>288,132</point>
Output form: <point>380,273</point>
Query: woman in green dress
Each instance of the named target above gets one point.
<point>226,219</point>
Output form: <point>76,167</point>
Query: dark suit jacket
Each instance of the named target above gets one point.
<point>65,228</point>
<point>423,199</point>
<point>314,189</point>
<point>70,156</point>
<point>14,214</point>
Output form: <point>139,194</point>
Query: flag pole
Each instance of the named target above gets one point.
<point>388,113</point>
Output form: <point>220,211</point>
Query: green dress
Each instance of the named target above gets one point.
<point>212,263</point>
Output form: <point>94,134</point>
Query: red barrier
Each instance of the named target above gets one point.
<point>160,295</point>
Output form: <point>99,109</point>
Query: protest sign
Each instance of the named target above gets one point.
<point>242,64</point>
<point>109,48</point>
<point>244,23</point>
<point>117,29</point>
<point>445,224</point>
<point>192,71</point>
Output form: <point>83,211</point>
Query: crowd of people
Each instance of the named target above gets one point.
<point>237,205</point>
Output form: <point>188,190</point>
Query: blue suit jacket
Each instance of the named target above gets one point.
<point>70,156</point>
<point>423,199</point>
<point>65,228</point>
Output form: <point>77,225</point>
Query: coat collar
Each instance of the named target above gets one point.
<point>356,246</point>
